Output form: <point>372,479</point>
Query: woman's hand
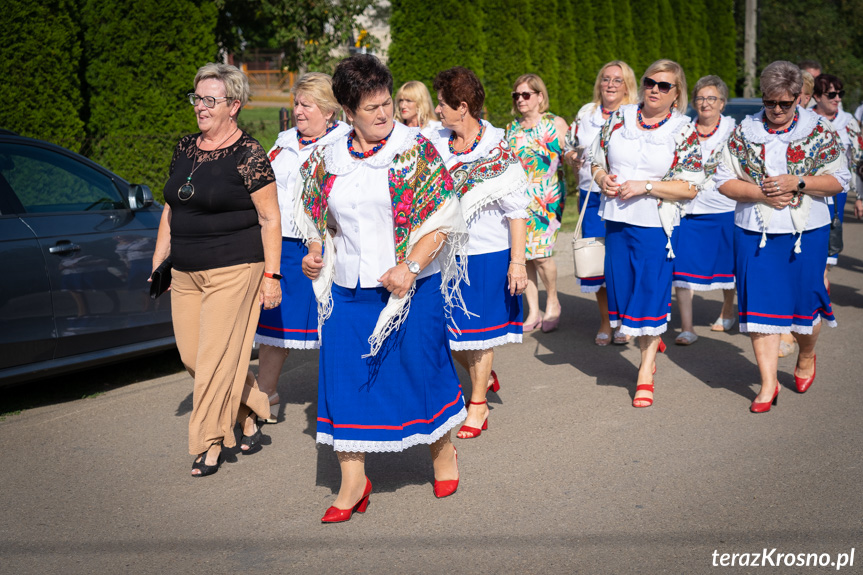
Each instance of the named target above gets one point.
<point>609,186</point>
<point>398,280</point>
<point>271,293</point>
<point>779,190</point>
<point>858,208</point>
<point>516,278</point>
<point>632,188</point>
<point>779,185</point>
<point>312,265</point>
<point>572,160</point>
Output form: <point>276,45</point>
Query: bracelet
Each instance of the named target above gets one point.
<point>518,264</point>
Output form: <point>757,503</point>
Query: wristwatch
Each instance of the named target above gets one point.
<point>413,267</point>
<point>273,275</point>
<point>800,183</point>
<point>649,187</point>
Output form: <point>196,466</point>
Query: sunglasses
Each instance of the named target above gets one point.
<point>664,87</point>
<point>831,95</point>
<point>525,95</point>
<point>785,105</point>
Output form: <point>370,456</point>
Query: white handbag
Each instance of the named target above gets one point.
<point>588,254</point>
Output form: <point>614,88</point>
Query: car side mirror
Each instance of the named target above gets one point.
<point>140,196</point>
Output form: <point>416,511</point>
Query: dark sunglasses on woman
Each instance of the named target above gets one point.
<point>784,104</point>
<point>663,87</point>
<point>831,95</point>
<point>525,95</point>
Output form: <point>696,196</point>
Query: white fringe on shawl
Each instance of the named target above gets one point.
<point>447,219</point>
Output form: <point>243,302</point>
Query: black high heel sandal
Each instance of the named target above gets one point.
<point>201,464</point>
<point>250,441</point>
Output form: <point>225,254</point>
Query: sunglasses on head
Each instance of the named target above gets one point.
<point>784,104</point>
<point>525,95</point>
<point>831,95</point>
<point>663,87</point>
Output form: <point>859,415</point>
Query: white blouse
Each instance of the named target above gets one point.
<point>709,200</point>
<point>583,131</point>
<point>775,164</point>
<point>286,166</point>
<point>635,154</point>
<point>361,208</point>
<point>489,229</point>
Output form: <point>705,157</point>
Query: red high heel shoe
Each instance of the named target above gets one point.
<point>495,386</point>
<point>804,383</point>
<point>476,432</point>
<point>336,515</point>
<point>448,487</point>
<point>764,406</point>
<point>661,346</point>
<point>643,387</point>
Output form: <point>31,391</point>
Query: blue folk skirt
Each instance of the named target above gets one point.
<point>294,324</point>
<point>407,394</point>
<point>705,252</point>
<point>779,291</point>
<point>495,315</point>
<point>592,226</point>
<point>638,275</point>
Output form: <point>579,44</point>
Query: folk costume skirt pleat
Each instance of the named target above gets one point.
<point>407,394</point>
<point>779,291</point>
<point>705,252</point>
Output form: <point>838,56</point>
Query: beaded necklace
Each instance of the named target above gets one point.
<point>310,141</point>
<point>713,131</point>
<point>651,126</point>
<point>606,112</point>
<point>472,146</point>
<point>370,153</point>
<point>786,130</point>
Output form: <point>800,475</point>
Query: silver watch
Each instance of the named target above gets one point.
<point>413,267</point>
<point>648,187</point>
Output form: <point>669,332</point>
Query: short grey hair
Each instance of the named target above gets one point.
<point>781,76</point>
<point>708,82</point>
<point>236,83</point>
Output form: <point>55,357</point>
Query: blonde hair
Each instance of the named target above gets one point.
<point>537,85</point>
<point>318,87</point>
<point>628,81</point>
<point>808,83</point>
<point>679,82</point>
<point>416,92</point>
<point>236,83</point>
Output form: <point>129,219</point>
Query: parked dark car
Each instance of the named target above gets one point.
<point>737,108</point>
<point>76,247</point>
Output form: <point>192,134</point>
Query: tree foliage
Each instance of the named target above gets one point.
<point>418,51</point>
<point>41,64</point>
<point>722,46</point>
<point>312,33</point>
<point>507,55</point>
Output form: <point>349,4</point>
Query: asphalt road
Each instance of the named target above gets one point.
<point>569,478</point>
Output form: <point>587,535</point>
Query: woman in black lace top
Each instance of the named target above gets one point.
<point>222,230</point>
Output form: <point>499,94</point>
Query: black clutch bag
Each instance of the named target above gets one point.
<point>160,281</point>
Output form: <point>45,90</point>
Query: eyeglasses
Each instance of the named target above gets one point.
<point>663,87</point>
<point>612,81</point>
<point>708,99</point>
<point>784,104</point>
<point>831,95</point>
<point>209,101</point>
<point>525,95</point>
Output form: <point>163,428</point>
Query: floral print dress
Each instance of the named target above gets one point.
<point>539,150</point>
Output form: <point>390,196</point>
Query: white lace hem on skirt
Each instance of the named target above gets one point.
<point>765,328</point>
<point>485,344</point>
<point>639,331</point>
<point>702,287</point>
<point>287,343</point>
<point>391,446</point>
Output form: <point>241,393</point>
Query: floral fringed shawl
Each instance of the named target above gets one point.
<point>687,164</point>
<point>813,150</point>
<point>423,201</point>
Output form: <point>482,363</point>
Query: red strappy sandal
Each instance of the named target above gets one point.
<point>648,400</point>
<point>476,432</point>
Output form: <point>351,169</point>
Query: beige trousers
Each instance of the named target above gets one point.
<point>215,315</point>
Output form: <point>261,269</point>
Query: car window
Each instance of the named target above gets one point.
<point>45,181</point>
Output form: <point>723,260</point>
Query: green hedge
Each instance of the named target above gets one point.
<point>40,66</point>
